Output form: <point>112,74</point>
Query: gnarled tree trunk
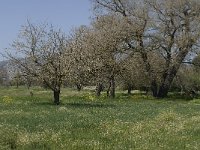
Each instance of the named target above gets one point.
<point>171,72</point>
<point>166,84</point>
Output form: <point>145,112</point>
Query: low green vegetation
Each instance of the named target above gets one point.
<point>29,120</point>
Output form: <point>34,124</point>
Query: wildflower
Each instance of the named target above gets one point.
<point>7,100</point>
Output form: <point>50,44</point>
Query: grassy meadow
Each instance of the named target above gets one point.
<point>83,121</point>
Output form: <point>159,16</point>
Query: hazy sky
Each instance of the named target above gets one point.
<point>63,14</point>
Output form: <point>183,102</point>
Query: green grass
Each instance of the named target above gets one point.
<point>85,122</point>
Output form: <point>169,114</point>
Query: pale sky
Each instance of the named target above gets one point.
<point>64,14</point>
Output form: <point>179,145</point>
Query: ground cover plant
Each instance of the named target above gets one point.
<point>82,121</point>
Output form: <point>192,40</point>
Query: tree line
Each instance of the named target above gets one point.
<point>140,44</point>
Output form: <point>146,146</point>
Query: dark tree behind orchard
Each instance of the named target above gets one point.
<point>168,29</point>
<point>41,54</point>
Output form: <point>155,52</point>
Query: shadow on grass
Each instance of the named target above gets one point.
<point>181,97</point>
<point>90,105</point>
<point>44,104</point>
<point>76,105</point>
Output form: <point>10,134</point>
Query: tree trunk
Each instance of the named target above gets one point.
<point>56,94</point>
<point>154,88</point>
<point>17,84</point>
<point>78,86</point>
<point>28,85</point>
<point>108,90</point>
<point>129,89</point>
<point>165,86</point>
<point>163,90</point>
<point>153,85</point>
<point>99,89</point>
<point>112,86</point>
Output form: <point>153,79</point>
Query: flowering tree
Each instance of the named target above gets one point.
<point>41,53</point>
<point>163,30</point>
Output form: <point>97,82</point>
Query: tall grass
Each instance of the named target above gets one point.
<point>83,121</point>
